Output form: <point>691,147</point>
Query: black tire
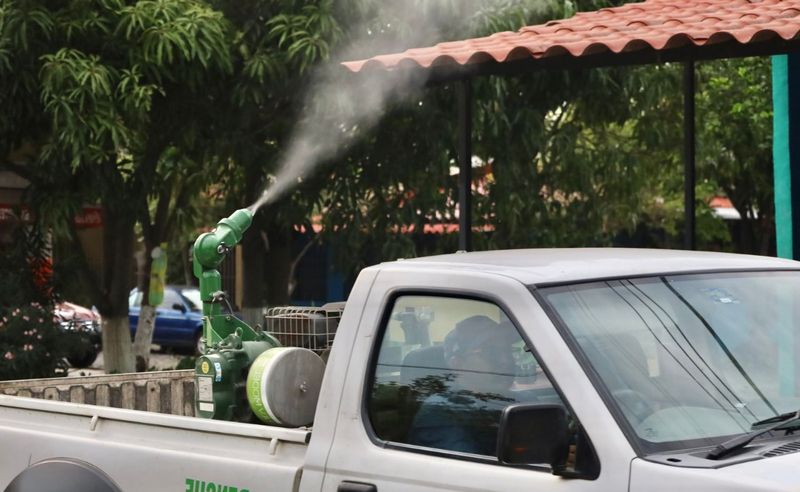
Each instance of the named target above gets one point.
<point>196,349</point>
<point>84,353</point>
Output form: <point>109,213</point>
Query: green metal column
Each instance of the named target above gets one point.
<point>786,162</point>
<point>786,152</point>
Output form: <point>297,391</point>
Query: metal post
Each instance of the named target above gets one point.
<point>786,159</point>
<point>464,95</point>
<point>786,153</point>
<point>688,155</point>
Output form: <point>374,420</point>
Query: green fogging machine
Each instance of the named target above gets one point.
<point>246,374</point>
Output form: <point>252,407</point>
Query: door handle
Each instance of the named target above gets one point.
<point>348,486</point>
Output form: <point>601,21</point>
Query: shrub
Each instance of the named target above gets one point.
<point>31,343</point>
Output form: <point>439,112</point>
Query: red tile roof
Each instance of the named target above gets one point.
<point>653,24</point>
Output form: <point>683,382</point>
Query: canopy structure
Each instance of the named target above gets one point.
<point>649,32</point>
<point>653,31</point>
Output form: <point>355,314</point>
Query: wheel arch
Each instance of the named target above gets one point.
<point>64,475</point>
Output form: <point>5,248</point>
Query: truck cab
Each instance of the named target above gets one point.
<point>556,370</point>
<point>655,357</point>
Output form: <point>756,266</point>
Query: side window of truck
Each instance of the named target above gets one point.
<point>446,369</point>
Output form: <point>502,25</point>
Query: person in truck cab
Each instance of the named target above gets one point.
<point>475,389</point>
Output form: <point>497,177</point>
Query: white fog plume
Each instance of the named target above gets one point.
<point>339,104</point>
<point>349,107</point>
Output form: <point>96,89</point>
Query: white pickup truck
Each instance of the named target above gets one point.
<point>552,370</point>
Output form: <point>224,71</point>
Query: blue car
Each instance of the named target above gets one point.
<point>179,318</point>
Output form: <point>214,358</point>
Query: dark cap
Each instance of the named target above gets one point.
<point>468,335</point>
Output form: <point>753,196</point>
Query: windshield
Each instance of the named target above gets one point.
<point>689,360</point>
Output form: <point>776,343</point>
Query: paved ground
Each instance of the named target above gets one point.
<point>159,359</point>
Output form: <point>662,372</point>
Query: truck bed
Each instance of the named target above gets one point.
<point>155,391</point>
<point>149,451</point>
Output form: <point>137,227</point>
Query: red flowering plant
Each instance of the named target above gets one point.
<point>31,343</point>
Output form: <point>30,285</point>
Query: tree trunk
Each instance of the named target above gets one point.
<point>766,236</point>
<point>117,356</point>
<point>278,263</point>
<point>118,243</point>
<point>147,315</point>
<point>144,337</point>
<point>253,252</point>
<point>188,275</point>
<point>267,266</point>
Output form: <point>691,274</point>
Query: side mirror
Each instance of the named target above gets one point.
<point>534,434</point>
<point>179,307</point>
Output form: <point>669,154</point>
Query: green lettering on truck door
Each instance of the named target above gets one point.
<point>194,485</point>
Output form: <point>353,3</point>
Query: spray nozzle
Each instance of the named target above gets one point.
<point>209,251</point>
<point>211,247</point>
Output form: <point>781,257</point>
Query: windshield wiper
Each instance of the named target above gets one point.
<point>745,439</point>
<point>774,420</point>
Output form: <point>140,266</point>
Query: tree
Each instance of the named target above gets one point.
<point>578,158</point>
<point>140,105</point>
<point>544,135</point>
<point>735,145</point>
<point>31,343</point>
<point>109,91</point>
<point>277,45</point>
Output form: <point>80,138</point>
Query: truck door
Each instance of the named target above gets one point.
<point>441,365</point>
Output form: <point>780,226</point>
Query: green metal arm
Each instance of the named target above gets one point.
<point>209,250</point>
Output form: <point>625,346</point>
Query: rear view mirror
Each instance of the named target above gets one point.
<point>533,434</point>
<point>179,307</point>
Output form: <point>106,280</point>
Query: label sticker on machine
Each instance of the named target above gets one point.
<point>204,389</point>
<point>218,370</point>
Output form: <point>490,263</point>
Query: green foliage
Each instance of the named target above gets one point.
<point>111,95</point>
<point>735,108</point>
<point>31,344</point>
<point>24,263</point>
<point>307,35</point>
<point>173,112</point>
<point>577,158</point>
<point>566,166</point>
